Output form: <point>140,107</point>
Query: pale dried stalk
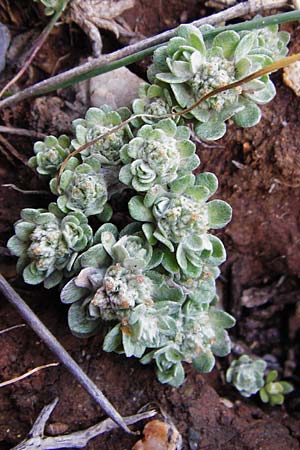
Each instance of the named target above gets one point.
<point>27,374</point>
<point>14,327</point>
<point>78,439</point>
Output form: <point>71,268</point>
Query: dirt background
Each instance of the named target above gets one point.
<point>259,173</point>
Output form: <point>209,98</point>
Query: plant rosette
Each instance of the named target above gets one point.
<point>153,100</point>
<point>193,67</point>
<point>48,243</point>
<point>158,155</point>
<point>50,154</point>
<point>247,375</point>
<point>180,218</point>
<point>84,187</point>
<point>273,391</point>
<point>97,122</point>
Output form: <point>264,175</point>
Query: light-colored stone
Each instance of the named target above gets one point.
<point>291,77</point>
<point>117,88</point>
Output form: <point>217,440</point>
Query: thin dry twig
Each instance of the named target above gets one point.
<point>78,439</point>
<point>22,132</point>
<point>12,150</point>
<point>14,327</point>
<point>27,374</point>
<point>62,355</point>
<point>279,64</point>
<point>22,191</point>
<point>65,79</point>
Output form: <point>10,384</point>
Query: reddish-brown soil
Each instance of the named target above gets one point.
<point>259,173</point>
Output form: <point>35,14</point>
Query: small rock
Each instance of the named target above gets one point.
<point>159,435</point>
<point>291,77</point>
<point>117,88</point>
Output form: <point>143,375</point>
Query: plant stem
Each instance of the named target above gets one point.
<point>78,439</point>
<point>63,356</point>
<point>38,44</point>
<point>142,49</point>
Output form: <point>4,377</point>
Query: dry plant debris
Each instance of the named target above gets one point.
<point>91,15</point>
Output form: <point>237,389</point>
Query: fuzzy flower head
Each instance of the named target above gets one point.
<point>158,155</point>
<point>50,154</point>
<point>97,122</point>
<point>153,100</point>
<point>47,244</point>
<point>122,289</point>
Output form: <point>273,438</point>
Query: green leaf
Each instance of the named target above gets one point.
<point>113,340</point>
<point>217,255</point>
<point>263,395</point>
<point>138,210</point>
<point>222,319</point>
<point>210,131</point>
<point>148,230</point>
<point>272,375</point>
<point>71,293</point>
<point>95,256</point>
<point>53,280</point>
<point>244,46</point>
<point>156,259</point>
<point>228,41</point>
<point>209,180</point>
<point>32,276</point>
<point>249,116</point>
<point>180,184</point>
<point>168,126</point>
<point>287,387</point>
<point>23,230</point>
<point>219,213</point>
<point>204,362</point>
<point>79,323</point>
<point>16,246</point>
<point>169,262</point>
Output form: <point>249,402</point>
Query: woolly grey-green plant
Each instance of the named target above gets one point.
<point>180,218</point>
<point>200,334</point>
<point>97,122</point>
<point>193,67</point>
<point>50,154</point>
<point>47,243</point>
<point>246,374</point>
<point>158,155</point>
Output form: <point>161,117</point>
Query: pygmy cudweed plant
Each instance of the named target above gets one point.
<point>153,283</point>
<point>247,375</point>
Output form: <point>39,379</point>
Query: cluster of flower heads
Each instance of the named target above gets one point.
<point>154,282</point>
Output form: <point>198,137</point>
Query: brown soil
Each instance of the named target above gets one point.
<point>259,173</point>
